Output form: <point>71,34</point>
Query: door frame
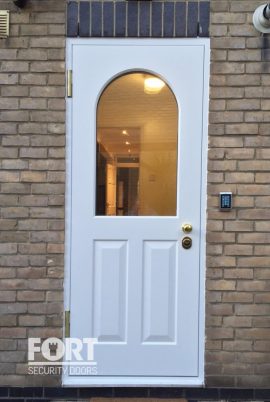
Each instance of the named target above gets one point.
<point>141,381</point>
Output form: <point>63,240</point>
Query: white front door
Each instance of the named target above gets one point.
<point>136,176</point>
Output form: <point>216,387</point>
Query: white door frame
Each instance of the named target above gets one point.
<point>140,381</point>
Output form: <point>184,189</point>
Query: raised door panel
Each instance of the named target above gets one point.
<point>109,290</point>
<point>159,292</point>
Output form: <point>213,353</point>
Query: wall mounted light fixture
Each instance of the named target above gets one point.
<point>261,18</point>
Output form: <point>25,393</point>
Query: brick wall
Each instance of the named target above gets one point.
<point>32,182</point>
<point>238,276</point>
<point>32,178</point>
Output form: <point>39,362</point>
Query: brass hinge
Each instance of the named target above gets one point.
<point>69,83</point>
<point>67,324</point>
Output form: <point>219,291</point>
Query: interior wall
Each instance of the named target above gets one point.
<point>158,167</point>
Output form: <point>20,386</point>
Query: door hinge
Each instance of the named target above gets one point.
<point>67,324</point>
<point>69,83</point>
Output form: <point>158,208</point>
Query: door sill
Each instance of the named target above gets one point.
<point>93,381</point>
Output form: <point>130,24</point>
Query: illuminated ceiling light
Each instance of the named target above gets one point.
<point>129,150</point>
<point>124,132</point>
<point>153,85</point>
<point>127,143</point>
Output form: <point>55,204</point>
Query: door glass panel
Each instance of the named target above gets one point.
<point>137,132</point>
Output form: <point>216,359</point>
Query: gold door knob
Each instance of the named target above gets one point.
<point>187,227</point>
<point>186,242</point>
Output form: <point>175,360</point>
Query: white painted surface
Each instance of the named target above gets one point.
<point>144,339</point>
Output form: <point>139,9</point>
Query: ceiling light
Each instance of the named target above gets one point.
<point>127,143</point>
<point>124,132</point>
<point>153,85</point>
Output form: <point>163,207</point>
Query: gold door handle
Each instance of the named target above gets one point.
<point>187,227</point>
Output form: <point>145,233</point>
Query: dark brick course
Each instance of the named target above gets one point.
<point>96,19</point>
<point>47,394</point>
<point>144,19</point>
<point>84,27</point>
<point>72,19</point>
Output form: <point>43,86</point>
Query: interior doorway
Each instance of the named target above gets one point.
<point>137,118</point>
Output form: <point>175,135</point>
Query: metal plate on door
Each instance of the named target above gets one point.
<point>186,242</point>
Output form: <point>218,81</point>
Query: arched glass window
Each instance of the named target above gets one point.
<point>137,133</point>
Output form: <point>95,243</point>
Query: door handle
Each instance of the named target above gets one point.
<point>187,227</point>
